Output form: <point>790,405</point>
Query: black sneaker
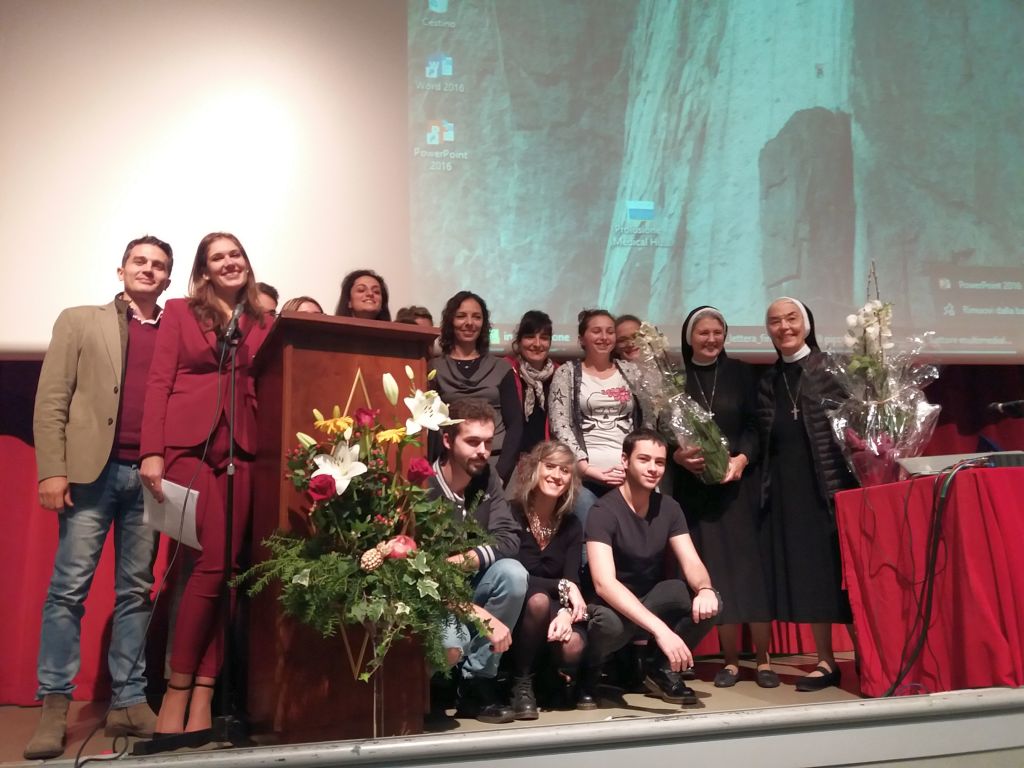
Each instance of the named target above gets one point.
<point>478,698</point>
<point>669,686</point>
<point>524,701</point>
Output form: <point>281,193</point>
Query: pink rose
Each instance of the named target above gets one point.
<point>322,487</point>
<point>419,470</point>
<point>400,546</point>
<point>365,416</point>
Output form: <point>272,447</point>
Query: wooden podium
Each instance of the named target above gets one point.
<point>301,686</point>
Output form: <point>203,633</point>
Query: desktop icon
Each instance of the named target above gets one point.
<point>438,6</point>
<point>640,210</point>
<point>439,65</point>
<point>440,132</point>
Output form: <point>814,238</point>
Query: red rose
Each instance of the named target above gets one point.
<point>365,417</point>
<point>419,470</point>
<point>322,487</point>
<point>400,546</point>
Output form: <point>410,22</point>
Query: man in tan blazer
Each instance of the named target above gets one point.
<point>87,424</point>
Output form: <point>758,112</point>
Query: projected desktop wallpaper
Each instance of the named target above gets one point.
<point>650,156</point>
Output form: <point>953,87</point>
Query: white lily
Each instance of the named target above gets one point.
<point>390,388</point>
<point>342,464</point>
<point>427,411</point>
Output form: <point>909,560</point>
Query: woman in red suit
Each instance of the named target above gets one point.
<point>185,439</point>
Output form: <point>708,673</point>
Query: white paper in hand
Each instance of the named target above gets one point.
<point>167,517</point>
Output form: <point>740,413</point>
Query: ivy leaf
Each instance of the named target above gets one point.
<point>375,608</point>
<point>418,562</point>
<point>428,587</point>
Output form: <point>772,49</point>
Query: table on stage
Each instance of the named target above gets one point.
<point>976,630</point>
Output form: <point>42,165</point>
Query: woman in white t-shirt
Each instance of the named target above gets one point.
<point>593,407</point>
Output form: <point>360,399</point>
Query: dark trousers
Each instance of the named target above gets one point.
<point>608,631</point>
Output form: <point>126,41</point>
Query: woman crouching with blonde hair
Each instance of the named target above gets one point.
<point>542,495</point>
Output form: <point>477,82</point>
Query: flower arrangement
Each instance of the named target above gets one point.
<point>378,549</point>
<point>663,394</point>
<point>886,416</point>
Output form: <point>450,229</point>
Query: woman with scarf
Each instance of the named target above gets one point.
<point>725,519</point>
<point>803,469</point>
<point>533,368</point>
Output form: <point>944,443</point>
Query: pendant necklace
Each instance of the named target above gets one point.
<point>708,404</point>
<point>785,380</point>
<point>541,533</point>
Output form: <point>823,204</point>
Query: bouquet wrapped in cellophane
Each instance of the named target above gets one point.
<point>663,395</point>
<point>886,417</point>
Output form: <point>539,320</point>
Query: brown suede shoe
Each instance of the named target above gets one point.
<point>48,740</point>
<point>136,720</point>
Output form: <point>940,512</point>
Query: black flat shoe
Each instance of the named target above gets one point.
<point>726,678</point>
<point>831,677</point>
<point>766,678</point>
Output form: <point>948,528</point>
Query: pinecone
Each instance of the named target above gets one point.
<point>371,560</point>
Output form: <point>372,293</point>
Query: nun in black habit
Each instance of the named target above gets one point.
<point>803,469</point>
<point>725,520</point>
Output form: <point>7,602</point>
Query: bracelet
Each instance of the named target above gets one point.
<point>563,593</point>
<point>703,588</point>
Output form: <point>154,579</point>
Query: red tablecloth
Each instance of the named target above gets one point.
<point>976,633</point>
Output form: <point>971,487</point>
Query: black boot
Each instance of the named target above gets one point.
<point>524,701</point>
<point>478,698</point>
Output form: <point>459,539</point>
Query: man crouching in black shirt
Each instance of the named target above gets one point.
<point>627,533</point>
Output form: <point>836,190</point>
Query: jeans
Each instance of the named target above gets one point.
<point>115,497</point>
<point>500,590</point>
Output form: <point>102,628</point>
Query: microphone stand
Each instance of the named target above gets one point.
<point>228,727</point>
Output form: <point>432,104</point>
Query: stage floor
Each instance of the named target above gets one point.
<point>18,723</point>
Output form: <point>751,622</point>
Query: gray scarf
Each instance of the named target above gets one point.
<point>533,391</point>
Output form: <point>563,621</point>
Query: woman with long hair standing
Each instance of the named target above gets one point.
<point>804,468</point>
<point>531,361</point>
<point>466,368</point>
<point>185,438</point>
<point>725,519</point>
<point>551,538</point>
<point>593,407</point>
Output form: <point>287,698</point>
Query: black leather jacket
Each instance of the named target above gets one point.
<point>818,385</point>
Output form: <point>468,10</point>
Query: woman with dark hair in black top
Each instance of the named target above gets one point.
<point>551,537</point>
<point>531,361</point>
<point>803,469</point>
<point>725,519</point>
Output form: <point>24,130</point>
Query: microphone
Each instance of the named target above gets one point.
<point>1009,408</point>
<point>232,328</point>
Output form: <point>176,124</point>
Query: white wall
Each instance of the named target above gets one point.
<point>283,122</point>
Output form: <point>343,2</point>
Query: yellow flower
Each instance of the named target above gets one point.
<point>335,425</point>
<point>391,435</point>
